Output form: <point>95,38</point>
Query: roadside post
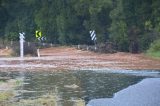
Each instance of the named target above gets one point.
<point>93,38</point>
<point>21,37</point>
<point>40,38</point>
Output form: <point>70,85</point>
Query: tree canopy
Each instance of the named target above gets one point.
<point>130,24</point>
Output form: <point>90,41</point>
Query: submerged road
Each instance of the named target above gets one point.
<point>145,93</point>
<point>69,58</point>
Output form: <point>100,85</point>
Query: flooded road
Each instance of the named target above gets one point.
<point>72,88</point>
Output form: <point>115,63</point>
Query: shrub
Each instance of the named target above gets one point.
<point>29,49</point>
<point>155,46</point>
<point>154,49</point>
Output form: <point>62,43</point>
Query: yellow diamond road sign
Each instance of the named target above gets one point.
<point>38,34</point>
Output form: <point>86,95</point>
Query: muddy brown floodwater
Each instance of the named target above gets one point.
<point>65,76</point>
<point>68,58</point>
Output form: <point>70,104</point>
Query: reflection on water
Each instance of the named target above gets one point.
<point>71,88</point>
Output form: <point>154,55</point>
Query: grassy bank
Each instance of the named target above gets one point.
<point>154,50</point>
<point>154,54</point>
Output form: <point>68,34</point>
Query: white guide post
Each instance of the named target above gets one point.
<point>21,37</point>
<point>38,53</point>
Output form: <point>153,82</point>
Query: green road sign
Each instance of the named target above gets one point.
<point>38,34</point>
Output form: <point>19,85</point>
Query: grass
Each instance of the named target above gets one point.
<point>153,54</point>
<point>154,49</point>
<point>48,100</point>
<point>37,102</point>
<point>5,95</point>
<point>10,85</point>
<point>1,81</point>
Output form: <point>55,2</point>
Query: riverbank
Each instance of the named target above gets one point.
<point>67,58</point>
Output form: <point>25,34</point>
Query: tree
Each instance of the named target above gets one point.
<point>118,28</point>
<point>131,24</point>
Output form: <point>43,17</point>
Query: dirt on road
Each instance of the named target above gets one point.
<point>68,58</point>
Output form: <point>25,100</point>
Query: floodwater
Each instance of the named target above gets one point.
<point>74,88</point>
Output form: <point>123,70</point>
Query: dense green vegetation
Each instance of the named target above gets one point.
<point>154,49</point>
<point>130,24</point>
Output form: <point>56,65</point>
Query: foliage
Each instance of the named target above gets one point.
<point>155,46</point>
<point>131,24</point>
<point>154,49</point>
<point>153,54</point>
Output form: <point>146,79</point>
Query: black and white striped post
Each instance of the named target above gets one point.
<point>93,37</point>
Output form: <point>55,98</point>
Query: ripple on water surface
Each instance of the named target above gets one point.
<point>67,87</point>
